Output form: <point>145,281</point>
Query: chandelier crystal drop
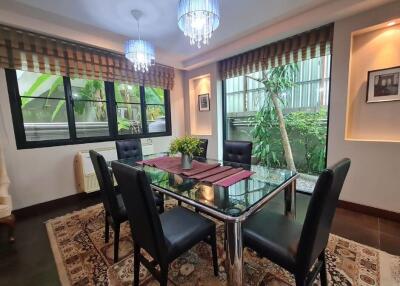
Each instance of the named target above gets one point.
<point>198,19</point>
<point>141,53</point>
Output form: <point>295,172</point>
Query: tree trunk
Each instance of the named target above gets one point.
<point>284,136</point>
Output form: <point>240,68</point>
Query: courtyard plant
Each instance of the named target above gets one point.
<point>307,133</point>
<point>276,81</point>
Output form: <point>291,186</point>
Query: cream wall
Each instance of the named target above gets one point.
<point>200,121</point>
<point>43,174</point>
<point>214,116</point>
<point>373,179</point>
<point>372,50</point>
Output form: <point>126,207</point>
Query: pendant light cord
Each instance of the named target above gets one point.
<point>138,28</point>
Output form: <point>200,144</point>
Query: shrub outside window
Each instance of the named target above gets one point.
<point>90,108</point>
<point>155,109</point>
<point>128,108</point>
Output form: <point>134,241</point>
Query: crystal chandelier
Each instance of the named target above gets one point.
<point>198,19</point>
<point>141,53</point>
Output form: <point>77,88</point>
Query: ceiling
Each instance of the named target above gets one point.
<point>112,18</point>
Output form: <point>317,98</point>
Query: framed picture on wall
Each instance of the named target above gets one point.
<point>204,102</point>
<point>383,85</point>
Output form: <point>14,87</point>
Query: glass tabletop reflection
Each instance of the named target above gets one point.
<point>233,200</point>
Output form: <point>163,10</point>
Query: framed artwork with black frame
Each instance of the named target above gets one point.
<point>383,85</point>
<point>204,102</point>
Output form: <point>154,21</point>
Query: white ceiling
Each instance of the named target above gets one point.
<point>112,18</point>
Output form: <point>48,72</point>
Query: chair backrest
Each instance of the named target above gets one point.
<point>320,213</point>
<point>131,148</point>
<point>141,209</point>
<point>238,151</point>
<point>106,183</point>
<point>203,145</point>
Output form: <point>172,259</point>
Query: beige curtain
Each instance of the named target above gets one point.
<point>310,44</point>
<point>24,50</point>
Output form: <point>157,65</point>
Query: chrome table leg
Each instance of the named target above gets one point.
<point>290,200</point>
<point>234,253</point>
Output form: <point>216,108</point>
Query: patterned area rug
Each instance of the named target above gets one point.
<point>83,258</point>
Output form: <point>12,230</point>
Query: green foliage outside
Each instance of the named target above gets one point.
<point>127,93</point>
<point>92,90</point>
<point>185,145</point>
<point>131,94</point>
<point>307,133</point>
<point>154,112</point>
<point>296,140</point>
<point>276,82</point>
<point>43,110</point>
<point>49,111</point>
<point>154,96</point>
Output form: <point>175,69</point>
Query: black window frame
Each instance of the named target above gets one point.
<point>19,129</point>
<point>74,101</point>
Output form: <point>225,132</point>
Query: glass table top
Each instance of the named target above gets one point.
<point>233,200</point>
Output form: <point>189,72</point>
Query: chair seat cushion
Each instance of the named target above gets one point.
<point>273,236</point>
<point>182,229</point>
<point>5,211</point>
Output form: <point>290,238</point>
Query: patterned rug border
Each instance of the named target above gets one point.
<point>62,271</point>
<point>384,256</point>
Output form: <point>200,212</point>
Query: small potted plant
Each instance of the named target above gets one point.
<point>187,146</point>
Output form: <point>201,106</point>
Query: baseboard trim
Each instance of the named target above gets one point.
<point>369,210</point>
<point>51,205</point>
<point>57,203</point>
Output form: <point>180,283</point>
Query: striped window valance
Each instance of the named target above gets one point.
<point>314,43</point>
<point>28,51</point>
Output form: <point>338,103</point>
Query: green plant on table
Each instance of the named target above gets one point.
<point>185,145</point>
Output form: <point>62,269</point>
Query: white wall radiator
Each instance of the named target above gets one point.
<point>85,177</point>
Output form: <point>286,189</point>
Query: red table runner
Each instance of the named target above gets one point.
<point>229,181</point>
<point>212,173</point>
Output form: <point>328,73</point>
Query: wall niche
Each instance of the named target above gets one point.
<point>200,121</point>
<point>372,49</point>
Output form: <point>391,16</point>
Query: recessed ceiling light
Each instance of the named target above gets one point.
<point>391,23</point>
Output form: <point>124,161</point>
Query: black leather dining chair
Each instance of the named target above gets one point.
<point>165,237</point>
<point>238,151</point>
<point>203,146</point>
<point>115,212</point>
<point>295,246</point>
<point>130,148</point>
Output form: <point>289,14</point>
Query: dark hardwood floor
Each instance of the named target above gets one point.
<point>29,261</point>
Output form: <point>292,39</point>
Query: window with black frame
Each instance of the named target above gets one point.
<point>51,110</point>
<point>43,106</point>
<point>280,102</point>
<point>128,108</point>
<point>155,109</point>
<point>90,108</point>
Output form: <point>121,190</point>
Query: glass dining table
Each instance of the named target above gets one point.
<point>232,205</point>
